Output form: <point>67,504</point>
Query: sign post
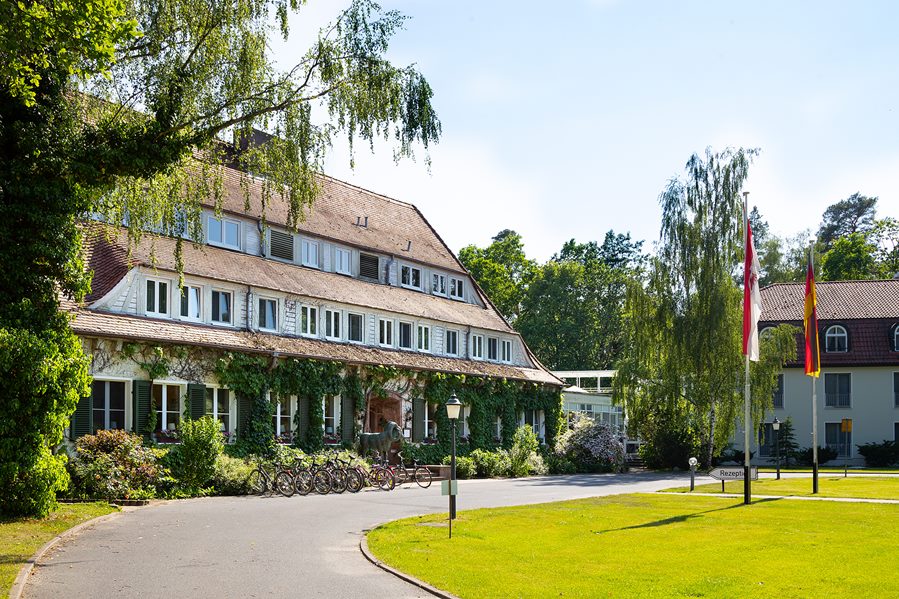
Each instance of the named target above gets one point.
<point>845,430</point>
<point>733,473</point>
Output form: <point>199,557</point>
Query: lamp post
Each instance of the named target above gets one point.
<point>453,407</point>
<point>693,462</point>
<point>776,426</point>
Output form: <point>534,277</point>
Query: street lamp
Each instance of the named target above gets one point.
<point>692,462</point>
<point>776,426</point>
<point>453,407</point>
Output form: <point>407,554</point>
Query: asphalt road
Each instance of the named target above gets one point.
<point>239,547</point>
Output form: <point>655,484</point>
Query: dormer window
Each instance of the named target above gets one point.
<point>410,276</point>
<point>223,232</point>
<point>310,253</point>
<point>456,288</point>
<point>369,267</point>
<point>896,338</point>
<point>506,351</point>
<point>438,284</point>
<point>477,347</point>
<point>268,314</point>
<point>836,340</point>
<point>342,261</point>
<point>281,245</point>
<point>190,302</point>
<point>157,298</point>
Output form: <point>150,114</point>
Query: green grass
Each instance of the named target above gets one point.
<point>21,537</point>
<point>828,486</point>
<point>653,545</point>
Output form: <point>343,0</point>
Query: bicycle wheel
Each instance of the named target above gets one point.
<point>302,482</point>
<point>423,477</point>
<point>400,474</point>
<point>284,484</point>
<point>384,479</point>
<point>321,482</point>
<point>338,481</point>
<point>257,483</point>
<point>354,481</point>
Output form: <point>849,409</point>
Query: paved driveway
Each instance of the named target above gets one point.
<point>239,547</point>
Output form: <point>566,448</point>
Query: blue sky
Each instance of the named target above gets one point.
<point>566,119</point>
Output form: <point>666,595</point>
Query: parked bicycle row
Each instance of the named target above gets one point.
<point>332,473</point>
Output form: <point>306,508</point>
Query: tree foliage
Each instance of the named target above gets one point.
<point>855,214</point>
<point>850,257</point>
<point>502,270</point>
<point>118,108</point>
<point>682,367</point>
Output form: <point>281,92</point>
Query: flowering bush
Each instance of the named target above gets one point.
<point>113,465</point>
<point>592,446</point>
<point>491,463</point>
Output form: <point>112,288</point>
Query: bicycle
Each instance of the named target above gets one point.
<point>419,474</point>
<point>313,477</point>
<point>376,476</point>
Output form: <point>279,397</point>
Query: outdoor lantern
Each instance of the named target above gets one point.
<point>776,424</point>
<point>453,407</point>
<point>693,462</point>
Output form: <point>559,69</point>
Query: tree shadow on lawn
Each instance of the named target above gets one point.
<point>683,517</point>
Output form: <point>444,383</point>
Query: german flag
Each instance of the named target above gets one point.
<point>812,348</point>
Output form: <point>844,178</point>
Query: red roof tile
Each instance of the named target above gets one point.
<point>836,300</point>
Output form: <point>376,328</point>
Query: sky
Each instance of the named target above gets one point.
<point>563,120</point>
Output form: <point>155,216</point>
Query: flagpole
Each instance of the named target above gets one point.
<point>811,259</point>
<point>747,415</point>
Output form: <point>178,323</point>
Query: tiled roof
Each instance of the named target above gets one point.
<point>90,323</point>
<point>334,214</point>
<point>245,269</point>
<point>870,343</point>
<point>109,263</point>
<point>837,300</point>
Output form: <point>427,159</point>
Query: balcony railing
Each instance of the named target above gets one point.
<point>837,400</point>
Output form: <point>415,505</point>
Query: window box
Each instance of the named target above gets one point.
<point>167,436</point>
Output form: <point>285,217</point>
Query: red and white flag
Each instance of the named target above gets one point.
<point>752,299</point>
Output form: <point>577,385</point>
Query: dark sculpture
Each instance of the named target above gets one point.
<point>380,442</point>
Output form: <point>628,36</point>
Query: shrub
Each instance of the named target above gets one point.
<point>489,464</point>
<point>423,454</point>
<point>880,454</point>
<point>825,454</point>
<point>558,463</point>
<point>591,446</point>
<point>113,465</point>
<point>524,446</point>
<point>465,466</point>
<point>667,445</point>
<point>232,476</point>
<point>193,461</point>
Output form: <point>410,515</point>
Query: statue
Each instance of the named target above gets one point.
<point>380,442</point>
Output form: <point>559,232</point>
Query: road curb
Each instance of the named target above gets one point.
<point>18,586</point>
<point>363,546</point>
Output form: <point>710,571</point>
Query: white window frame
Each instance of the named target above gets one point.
<point>505,351</point>
<point>212,304</point>
<point>215,407</point>
<point>162,417</point>
<point>333,321</point>
<point>220,224</point>
<point>106,398</point>
<point>410,269</point>
<point>477,346</point>
<point>199,295</point>
<point>334,400</point>
<point>834,333</point>
<point>156,297</point>
<point>430,421</point>
<point>438,282</point>
<point>341,256</point>
<point>399,336</point>
<point>423,338</point>
<point>456,288</point>
<point>446,337</point>
<point>276,312</point>
<point>311,320</point>
<point>278,415</point>
<point>361,327</point>
<point>493,343</point>
<point>307,246</point>
<point>385,332</point>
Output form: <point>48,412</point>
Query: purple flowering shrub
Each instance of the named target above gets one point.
<point>592,446</point>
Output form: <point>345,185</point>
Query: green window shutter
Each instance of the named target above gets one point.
<point>418,420</point>
<point>81,419</point>
<point>244,413</point>
<point>303,419</point>
<point>347,417</point>
<point>196,394</point>
<point>140,394</point>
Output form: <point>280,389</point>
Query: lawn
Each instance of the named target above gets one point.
<point>653,545</point>
<point>21,537</point>
<point>867,487</point>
